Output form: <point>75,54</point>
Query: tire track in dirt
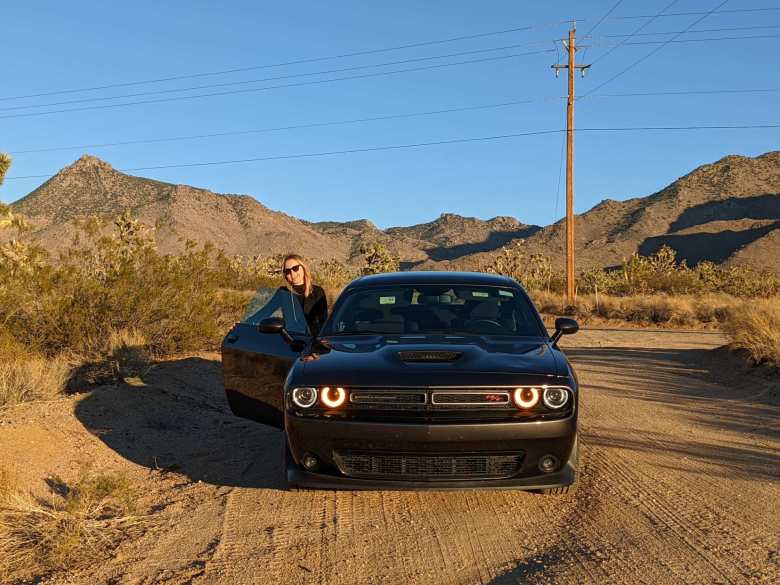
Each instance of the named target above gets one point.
<point>707,530</point>
<point>633,518</point>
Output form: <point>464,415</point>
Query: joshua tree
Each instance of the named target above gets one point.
<point>7,218</point>
<point>5,164</point>
<point>378,258</point>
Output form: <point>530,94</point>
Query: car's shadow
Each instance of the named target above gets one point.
<point>179,422</point>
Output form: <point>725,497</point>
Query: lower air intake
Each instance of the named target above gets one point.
<point>427,467</point>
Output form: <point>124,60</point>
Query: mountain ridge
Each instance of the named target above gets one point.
<point>727,211</point>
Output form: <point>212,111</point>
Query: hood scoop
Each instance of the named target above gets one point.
<point>429,356</point>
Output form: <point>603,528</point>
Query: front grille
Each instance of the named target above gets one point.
<point>384,399</point>
<point>427,467</point>
<point>486,398</point>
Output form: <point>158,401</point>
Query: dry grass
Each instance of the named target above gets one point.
<point>123,355</point>
<point>26,377</point>
<point>128,354</point>
<point>642,310</point>
<point>754,327</point>
<point>80,526</point>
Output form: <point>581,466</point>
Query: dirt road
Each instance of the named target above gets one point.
<point>679,483</point>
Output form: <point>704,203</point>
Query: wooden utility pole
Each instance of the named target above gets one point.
<point>572,67</point>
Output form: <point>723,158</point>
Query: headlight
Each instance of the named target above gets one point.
<point>555,397</point>
<point>526,397</point>
<point>333,397</point>
<point>304,397</point>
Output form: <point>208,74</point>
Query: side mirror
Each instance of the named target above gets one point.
<point>271,325</point>
<point>563,326</point>
<point>275,325</point>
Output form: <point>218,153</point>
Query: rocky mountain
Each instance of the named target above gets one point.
<point>727,212</point>
<point>236,223</point>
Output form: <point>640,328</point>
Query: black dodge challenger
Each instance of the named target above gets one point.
<point>417,380</point>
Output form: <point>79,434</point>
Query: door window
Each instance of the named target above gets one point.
<point>277,302</point>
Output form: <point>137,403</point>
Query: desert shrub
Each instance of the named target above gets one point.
<point>112,283</point>
<point>334,274</point>
<point>658,309</point>
<point>533,271</point>
<point>247,272</point>
<point>81,524</point>
<point>754,327</point>
<point>660,273</point>
<point>377,258</point>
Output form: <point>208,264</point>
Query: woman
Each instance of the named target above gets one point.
<point>312,297</point>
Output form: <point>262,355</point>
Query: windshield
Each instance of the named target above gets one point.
<point>422,309</point>
<point>277,302</point>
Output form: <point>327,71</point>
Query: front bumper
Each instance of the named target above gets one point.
<point>323,437</point>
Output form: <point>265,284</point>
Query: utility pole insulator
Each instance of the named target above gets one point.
<point>572,67</point>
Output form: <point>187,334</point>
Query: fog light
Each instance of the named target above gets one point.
<point>310,461</point>
<point>526,397</point>
<point>333,397</point>
<point>555,397</point>
<point>548,463</point>
<point>304,397</point>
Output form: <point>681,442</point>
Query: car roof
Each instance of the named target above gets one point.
<point>433,277</point>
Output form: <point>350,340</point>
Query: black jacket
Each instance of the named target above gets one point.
<point>315,307</point>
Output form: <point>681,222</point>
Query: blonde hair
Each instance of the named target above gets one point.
<point>307,284</point>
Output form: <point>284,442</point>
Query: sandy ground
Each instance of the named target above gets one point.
<point>678,483</point>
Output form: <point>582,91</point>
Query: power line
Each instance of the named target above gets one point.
<point>701,30</point>
<point>595,26</point>
<point>560,172</point>
<point>277,78</point>
<point>698,12</point>
<point>290,127</point>
<point>424,144</point>
<point>288,63</point>
<point>654,51</point>
<point>363,76</point>
<point>384,117</point>
<point>638,29</point>
<point>684,92</point>
<point>267,88</point>
<point>354,54</point>
<point>678,41</point>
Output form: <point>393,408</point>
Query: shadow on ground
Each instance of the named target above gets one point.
<point>704,388</point>
<point>180,422</point>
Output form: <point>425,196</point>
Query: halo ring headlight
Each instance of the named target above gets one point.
<point>525,397</point>
<point>333,397</point>
<point>304,397</point>
<point>555,398</point>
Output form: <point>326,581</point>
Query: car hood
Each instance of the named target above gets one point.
<point>406,360</point>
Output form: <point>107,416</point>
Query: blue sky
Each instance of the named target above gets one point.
<point>54,46</point>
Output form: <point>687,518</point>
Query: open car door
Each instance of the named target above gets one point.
<point>255,364</point>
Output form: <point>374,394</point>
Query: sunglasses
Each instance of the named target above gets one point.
<point>291,269</point>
